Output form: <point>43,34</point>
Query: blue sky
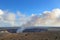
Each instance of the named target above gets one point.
<point>29,6</point>
<point>22,12</point>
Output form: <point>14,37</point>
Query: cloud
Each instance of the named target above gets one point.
<point>1,12</point>
<point>47,18</point>
<point>8,19</point>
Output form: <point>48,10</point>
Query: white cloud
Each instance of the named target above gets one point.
<point>56,11</point>
<point>1,12</point>
<point>47,18</point>
<point>11,18</point>
<point>33,14</point>
<point>46,12</point>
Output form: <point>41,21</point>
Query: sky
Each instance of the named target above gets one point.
<point>29,6</point>
<point>23,12</point>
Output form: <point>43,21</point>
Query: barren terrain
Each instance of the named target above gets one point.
<point>30,36</point>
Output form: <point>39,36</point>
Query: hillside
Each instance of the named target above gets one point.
<point>30,36</point>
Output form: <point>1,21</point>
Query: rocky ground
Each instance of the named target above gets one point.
<point>30,36</point>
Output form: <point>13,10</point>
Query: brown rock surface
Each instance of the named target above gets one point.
<point>30,36</point>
